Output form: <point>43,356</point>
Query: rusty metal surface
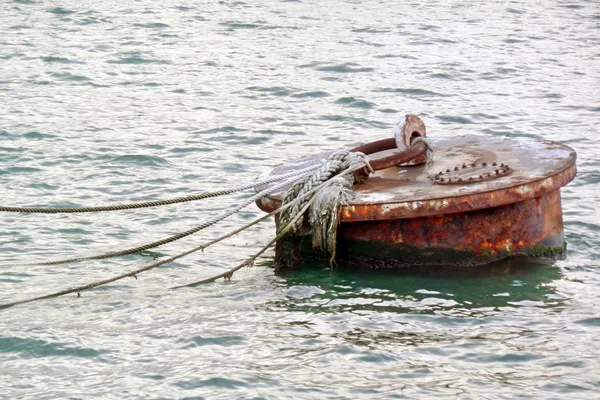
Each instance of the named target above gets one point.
<point>538,167</point>
<point>410,128</point>
<point>467,174</point>
<point>533,227</point>
<point>396,158</point>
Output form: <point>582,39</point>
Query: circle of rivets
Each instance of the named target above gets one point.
<point>449,176</point>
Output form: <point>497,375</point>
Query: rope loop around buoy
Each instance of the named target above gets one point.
<point>324,213</point>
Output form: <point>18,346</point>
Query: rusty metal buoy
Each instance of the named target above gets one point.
<point>493,198</point>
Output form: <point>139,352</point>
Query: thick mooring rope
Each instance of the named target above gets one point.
<point>324,215</point>
<point>173,238</point>
<point>285,229</point>
<point>118,207</point>
<point>226,274</point>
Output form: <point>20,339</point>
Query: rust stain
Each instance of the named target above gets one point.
<point>457,204</point>
<point>406,192</point>
<point>401,218</point>
<point>460,239</point>
<point>512,228</point>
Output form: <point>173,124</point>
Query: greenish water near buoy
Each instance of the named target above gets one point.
<point>105,102</point>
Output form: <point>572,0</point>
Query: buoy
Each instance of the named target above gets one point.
<point>483,199</point>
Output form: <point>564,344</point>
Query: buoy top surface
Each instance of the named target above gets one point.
<point>536,167</point>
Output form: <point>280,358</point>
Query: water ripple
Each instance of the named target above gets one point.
<point>31,348</point>
<point>151,100</point>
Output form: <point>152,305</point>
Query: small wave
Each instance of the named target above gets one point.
<point>239,25</point>
<point>573,6</point>
<point>183,150</point>
<point>406,56</point>
<point>275,90</point>
<point>19,27</point>
<point>137,60</point>
<point>429,27</point>
<point>355,103</point>
<point>43,186</point>
<point>484,116</point>
<point>441,75</point>
<point>589,322</point>
<point>410,91</point>
<point>506,71</point>
<point>221,383</point>
<point>17,274</point>
<point>369,30</point>
<point>184,8</point>
<point>455,119</point>
<point>18,170</point>
<point>70,77</point>
<point>274,132</point>
<point>32,348</point>
<point>344,68</point>
<point>314,94</point>
<point>368,43</point>
<point>552,96</point>
<point>225,341</point>
<point>91,21</point>
<point>241,139</point>
<point>11,149</point>
<point>60,11</point>
<point>60,60</point>
<point>355,120</point>
<point>226,129</point>
<point>140,159</point>
<point>152,25</point>
<point>513,41</point>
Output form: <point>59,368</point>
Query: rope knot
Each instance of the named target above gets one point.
<point>335,190</point>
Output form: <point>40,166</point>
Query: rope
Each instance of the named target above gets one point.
<point>429,154</point>
<point>282,232</point>
<point>157,203</point>
<point>324,215</point>
<point>228,274</point>
<point>169,239</point>
<point>134,273</point>
<point>336,162</point>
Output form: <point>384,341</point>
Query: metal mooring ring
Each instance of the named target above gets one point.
<point>475,172</point>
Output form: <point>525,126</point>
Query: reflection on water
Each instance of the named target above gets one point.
<point>469,291</point>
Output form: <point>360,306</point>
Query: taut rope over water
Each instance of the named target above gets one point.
<point>118,207</point>
<point>226,274</point>
<point>169,239</point>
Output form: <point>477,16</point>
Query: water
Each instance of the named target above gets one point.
<point>112,102</point>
